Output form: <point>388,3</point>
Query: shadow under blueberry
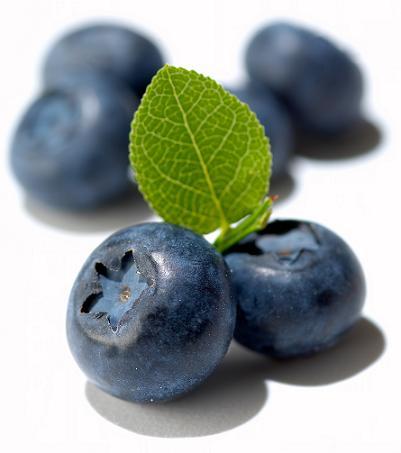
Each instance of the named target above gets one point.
<point>237,391</point>
<point>234,394</point>
<point>357,350</point>
<point>361,139</point>
<point>131,209</point>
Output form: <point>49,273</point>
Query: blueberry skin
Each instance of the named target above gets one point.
<point>299,287</point>
<point>273,115</point>
<point>70,149</point>
<point>151,314</point>
<point>320,83</point>
<point>104,48</point>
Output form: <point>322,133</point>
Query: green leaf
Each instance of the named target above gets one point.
<point>200,156</point>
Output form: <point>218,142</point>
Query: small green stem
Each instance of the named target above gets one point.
<point>257,220</point>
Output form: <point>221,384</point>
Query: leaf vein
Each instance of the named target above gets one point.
<point>225,223</point>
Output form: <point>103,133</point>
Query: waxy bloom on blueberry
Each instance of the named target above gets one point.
<point>299,287</point>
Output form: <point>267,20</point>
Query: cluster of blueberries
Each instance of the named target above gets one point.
<point>300,84</point>
<point>70,148</point>
<point>155,307</point>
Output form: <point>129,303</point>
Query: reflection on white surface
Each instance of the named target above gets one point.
<point>357,350</point>
<point>128,211</point>
<point>231,396</point>
<point>237,391</point>
<point>363,138</point>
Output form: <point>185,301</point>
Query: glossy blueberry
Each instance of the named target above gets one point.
<point>151,313</point>
<point>320,83</point>
<point>299,287</point>
<point>106,48</point>
<point>272,113</point>
<point>70,149</point>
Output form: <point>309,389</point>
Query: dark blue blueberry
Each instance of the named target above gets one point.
<point>151,313</point>
<point>320,83</point>
<point>70,149</point>
<point>110,49</point>
<point>299,287</point>
<point>276,120</point>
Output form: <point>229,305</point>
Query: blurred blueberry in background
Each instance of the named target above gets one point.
<point>321,85</point>
<point>110,49</point>
<point>274,117</point>
<point>70,149</point>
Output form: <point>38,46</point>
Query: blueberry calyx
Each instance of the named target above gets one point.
<point>282,241</point>
<point>116,292</point>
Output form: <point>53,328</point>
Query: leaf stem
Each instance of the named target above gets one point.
<point>255,221</point>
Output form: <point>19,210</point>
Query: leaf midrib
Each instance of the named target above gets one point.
<point>224,222</point>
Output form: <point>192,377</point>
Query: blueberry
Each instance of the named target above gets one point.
<point>151,313</point>
<point>299,287</point>
<point>70,149</point>
<point>272,113</point>
<point>320,83</point>
<point>110,49</point>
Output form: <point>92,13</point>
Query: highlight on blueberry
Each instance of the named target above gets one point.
<point>151,313</point>
<point>299,288</point>
<point>319,82</point>
<point>106,48</point>
<point>70,147</point>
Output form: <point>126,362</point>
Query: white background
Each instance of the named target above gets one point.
<point>344,400</point>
